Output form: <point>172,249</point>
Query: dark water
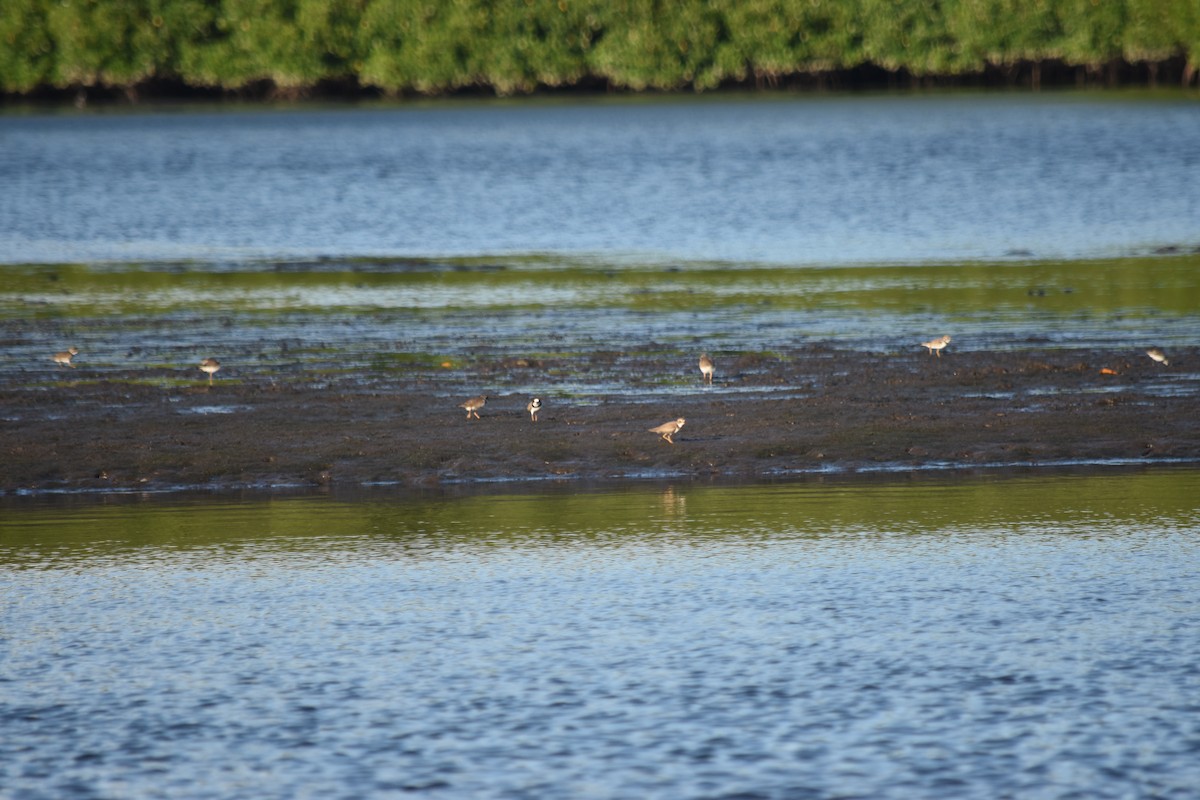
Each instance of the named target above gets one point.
<point>1027,637</point>
<point>779,180</point>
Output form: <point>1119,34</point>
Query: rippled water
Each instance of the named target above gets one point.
<point>778,179</point>
<point>1031,637</point>
<point>322,241</point>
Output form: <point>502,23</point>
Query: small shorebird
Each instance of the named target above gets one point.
<point>535,405</point>
<point>1155,353</point>
<point>936,345</point>
<point>706,368</point>
<point>210,365</point>
<point>473,405</point>
<point>64,358</point>
<point>669,429</point>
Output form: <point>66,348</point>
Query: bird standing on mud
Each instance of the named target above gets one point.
<point>669,429</point>
<point>1157,354</point>
<point>706,368</point>
<point>63,359</point>
<point>535,405</point>
<point>937,345</point>
<point>473,405</point>
<point>210,365</point>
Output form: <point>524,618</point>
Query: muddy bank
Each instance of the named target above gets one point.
<point>808,410</point>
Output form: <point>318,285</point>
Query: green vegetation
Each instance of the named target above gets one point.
<point>417,46</point>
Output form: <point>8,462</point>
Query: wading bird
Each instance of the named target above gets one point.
<point>669,429</point>
<point>210,365</point>
<point>937,345</point>
<point>473,405</point>
<point>1158,355</point>
<point>64,358</point>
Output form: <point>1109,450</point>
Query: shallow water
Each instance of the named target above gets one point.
<point>1027,636</point>
<point>322,321</point>
<point>395,240</point>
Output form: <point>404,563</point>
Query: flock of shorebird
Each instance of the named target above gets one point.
<point>666,430</point>
<point>209,365</point>
<point>708,369</point>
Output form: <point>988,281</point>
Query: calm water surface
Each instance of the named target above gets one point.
<point>1031,637</point>
<point>783,180</point>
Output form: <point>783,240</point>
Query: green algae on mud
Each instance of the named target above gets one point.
<point>353,378</point>
<point>319,318</point>
<point>1164,282</point>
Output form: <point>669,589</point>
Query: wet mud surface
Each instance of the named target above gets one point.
<point>810,410</point>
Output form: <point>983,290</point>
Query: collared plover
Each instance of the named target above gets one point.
<point>669,429</point>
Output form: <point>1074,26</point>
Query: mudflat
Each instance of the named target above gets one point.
<point>812,409</point>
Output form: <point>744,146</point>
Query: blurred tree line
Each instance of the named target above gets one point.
<point>437,46</point>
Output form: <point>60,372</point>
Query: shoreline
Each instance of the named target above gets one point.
<point>1170,71</point>
<point>806,414</point>
<point>102,99</point>
<point>498,486</point>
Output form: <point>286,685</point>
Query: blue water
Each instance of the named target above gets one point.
<point>1033,638</point>
<point>978,639</point>
<point>801,181</point>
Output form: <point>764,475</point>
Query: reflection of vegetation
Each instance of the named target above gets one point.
<point>82,531</point>
<point>415,45</point>
<point>1129,286</point>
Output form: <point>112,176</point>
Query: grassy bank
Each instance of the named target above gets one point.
<point>413,46</point>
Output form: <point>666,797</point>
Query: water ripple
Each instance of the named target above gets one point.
<point>940,639</point>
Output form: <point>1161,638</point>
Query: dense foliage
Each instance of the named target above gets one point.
<point>443,45</point>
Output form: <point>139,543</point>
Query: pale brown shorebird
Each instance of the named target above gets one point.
<point>64,358</point>
<point>535,405</point>
<point>669,429</point>
<point>210,365</point>
<point>706,368</point>
<point>473,405</point>
<point>1158,355</point>
<point>936,345</point>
